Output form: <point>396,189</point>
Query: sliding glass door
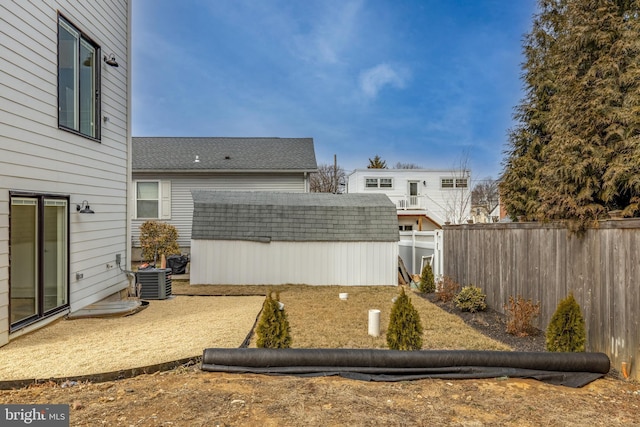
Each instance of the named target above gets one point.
<point>38,272</point>
<point>55,254</point>
<point>24,259</point>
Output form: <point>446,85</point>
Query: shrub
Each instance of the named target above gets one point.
<point>566,330</point>
<point>447,289</point>
<point>521,313</point>
<point>471,299</point>
<point>427,284</point>
<point>158,238</point>
<point>273,329</point>
<point>405,327</point>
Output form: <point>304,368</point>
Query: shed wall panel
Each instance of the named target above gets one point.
<point>311,263</point>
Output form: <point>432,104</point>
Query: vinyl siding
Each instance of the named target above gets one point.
<point>182,203</point>
<point>38,157</point>
<point>4,268</point>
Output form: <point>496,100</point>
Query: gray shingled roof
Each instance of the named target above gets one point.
<point>267,216</point>
<point>222,154</point>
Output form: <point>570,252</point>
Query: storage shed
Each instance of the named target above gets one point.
<point>300,238</point>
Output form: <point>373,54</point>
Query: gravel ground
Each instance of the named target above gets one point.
<point>155,335</point>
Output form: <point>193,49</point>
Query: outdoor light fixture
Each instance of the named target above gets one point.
<point>111,60</point>
<point>84,208</point>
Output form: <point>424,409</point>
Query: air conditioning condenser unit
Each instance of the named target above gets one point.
<point>155,283</point>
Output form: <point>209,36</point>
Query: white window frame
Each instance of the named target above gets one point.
<point>462,182</point>
<point>369,181</point>
<point>378,183</point>
<point>163,199</point>
<point>450,183</point>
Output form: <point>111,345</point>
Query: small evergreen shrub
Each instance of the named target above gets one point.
<point>471,298</point>
<point>405,327</point>
<point>447,289</point>
<point>157,239</point>
<point>521,313</point>
<point>273,329</point>
<point>427,283</point>
<point>566,331</point>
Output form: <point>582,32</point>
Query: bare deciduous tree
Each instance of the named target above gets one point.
<point>328,179</point>
<point>485,194</point>
<point>458,202</point>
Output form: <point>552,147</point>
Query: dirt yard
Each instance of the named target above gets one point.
<point>186,396</point>
<point>190,397</point>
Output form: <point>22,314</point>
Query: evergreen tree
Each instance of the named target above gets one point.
<point>273,329</point>
<point>566,331</point>
<point>427,283</point>
<point>377,163</point>
<point>575,153</point>
<point>405,327</point>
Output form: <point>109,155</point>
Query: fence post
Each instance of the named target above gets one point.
<point>413,250</point>
<point>437,254</point>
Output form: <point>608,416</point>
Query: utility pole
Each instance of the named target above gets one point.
<point>335,174</point>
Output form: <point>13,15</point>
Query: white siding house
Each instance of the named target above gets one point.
<point>278,238</point>
<point>64,151</point>
<point>425,199</point>
<point>166,170</point>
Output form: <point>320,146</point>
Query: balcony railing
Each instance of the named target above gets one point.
<point>409,202</point>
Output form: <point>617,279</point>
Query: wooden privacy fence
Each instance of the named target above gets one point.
<point>544,262</point>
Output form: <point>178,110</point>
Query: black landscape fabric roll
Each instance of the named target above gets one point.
<point>570,369</point>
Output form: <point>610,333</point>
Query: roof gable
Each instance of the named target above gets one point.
<point>222,154</point>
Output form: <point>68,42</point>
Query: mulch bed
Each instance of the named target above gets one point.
<point>494,325</point>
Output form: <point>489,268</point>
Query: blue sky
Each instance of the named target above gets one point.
<point>426,82</point>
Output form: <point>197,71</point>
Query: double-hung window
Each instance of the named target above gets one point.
<point>153,199</point>
<point>378,183</point>
<point>148,199</point>
<point>462,183</point>
<point>371,182</point>
<point>454,183</point>
<point>78,81</point>
<point>446,182</point>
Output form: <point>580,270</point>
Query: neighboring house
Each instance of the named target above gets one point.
<point>167,169</point>
<point>425,199</point>
<point>279,238</point>
<point>480,214</point>
<point>64,151</point>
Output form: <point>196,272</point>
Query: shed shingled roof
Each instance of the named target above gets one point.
<point>268,216</point>
<point>222,154</point>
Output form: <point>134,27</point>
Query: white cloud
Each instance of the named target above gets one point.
<point>374,79</point>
